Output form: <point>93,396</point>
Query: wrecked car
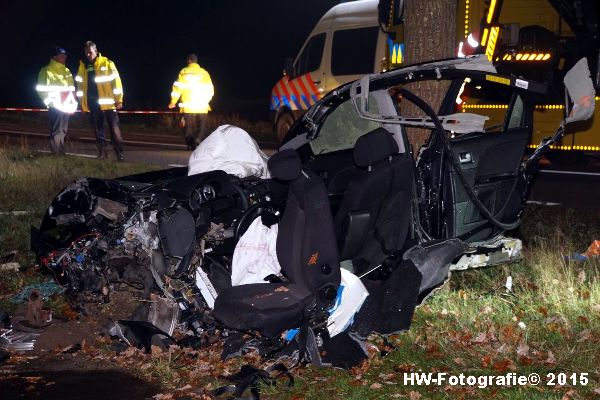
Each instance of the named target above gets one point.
<point>364,231</point>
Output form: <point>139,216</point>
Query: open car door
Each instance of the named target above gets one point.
<point>489,159</point>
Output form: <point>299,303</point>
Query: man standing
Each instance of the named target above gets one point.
<point>101,94</point>
<point>195,89</point>
<point>55,87</point>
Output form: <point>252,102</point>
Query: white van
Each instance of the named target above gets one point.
<point>346,44</point>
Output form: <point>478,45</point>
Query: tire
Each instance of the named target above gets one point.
<point>284,123</point>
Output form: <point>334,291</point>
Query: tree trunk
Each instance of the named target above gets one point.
<point>429,34</point>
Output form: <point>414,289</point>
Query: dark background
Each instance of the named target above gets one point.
<point>242,44</point>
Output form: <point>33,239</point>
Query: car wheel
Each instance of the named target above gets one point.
<point>284,123</point>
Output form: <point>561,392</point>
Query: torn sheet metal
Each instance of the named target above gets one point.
<point>499,251</point>
<point>12,340</point>
<point>581,90</point>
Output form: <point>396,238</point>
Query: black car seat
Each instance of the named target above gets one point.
<point>373,218</point>
<point>308,255</point>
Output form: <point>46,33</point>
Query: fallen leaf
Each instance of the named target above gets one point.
<point>186,387</point>
<point>584,336</point>
<point>486,361</point>
<point>585,295</point>
<point>543,311</point>
<point>387,377</point>
<point>486,310</point>
<point>459,361</point>
<point>583,319</point>
<point>481,338</point>
<point>375,385</point>
<point>503,349</point>
<point>569,395</point>
<point>522,350</point>
<point>155,350</point>
<point>404,368</point>
<point>163,396</point>
<point>504,365</point>
<point>551,360</point>
<point>412,395</point>
<point>524,360</point>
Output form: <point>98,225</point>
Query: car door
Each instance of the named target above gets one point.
<point>489,160</point>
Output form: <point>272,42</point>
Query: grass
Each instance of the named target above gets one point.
<point>163,124</point>
<point>29,183</point>
<point>548,324</point>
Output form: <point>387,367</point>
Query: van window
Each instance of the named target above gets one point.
<point>353,51</point>
<point>310,58</point>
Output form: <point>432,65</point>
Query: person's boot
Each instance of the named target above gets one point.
<point>189,141</point>
<point>119,152</point>
<point>101,153</point>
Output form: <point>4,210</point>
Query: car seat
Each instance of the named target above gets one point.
<point>374,215</point>
<point>307,252</point>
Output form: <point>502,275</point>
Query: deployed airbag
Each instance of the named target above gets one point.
<point>255,257</point>
<point>230,149</point>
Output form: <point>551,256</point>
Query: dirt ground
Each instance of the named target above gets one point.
<point>60,365</point>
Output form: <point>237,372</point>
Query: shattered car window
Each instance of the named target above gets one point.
<point>491,100</point>
<point>342,127</point>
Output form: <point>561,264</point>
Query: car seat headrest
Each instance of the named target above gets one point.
<point>373,147</point>
<point>285,165</point>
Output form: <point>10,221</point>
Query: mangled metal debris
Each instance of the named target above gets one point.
<point>345,192</point>
<point>11,340</point>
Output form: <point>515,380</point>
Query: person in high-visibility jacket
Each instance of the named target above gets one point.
<point>194,89</point>
<point>56,89</point>
<point>100,93</point>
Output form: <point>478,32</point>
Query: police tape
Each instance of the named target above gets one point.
<point>78,111</point>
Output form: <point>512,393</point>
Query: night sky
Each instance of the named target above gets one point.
<point>242,44</point>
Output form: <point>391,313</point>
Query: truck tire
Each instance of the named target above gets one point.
<point>284,123</point>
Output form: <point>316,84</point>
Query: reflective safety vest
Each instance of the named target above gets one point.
<point>107,80</point>
<point>56,88</point>
<point>194,88</point>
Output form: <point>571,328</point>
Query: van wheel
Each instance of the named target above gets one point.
<point>284,123</point>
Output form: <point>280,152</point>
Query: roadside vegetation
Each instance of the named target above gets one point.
<point>153,124</point>
<point>547,323</point>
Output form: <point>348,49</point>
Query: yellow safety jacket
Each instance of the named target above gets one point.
<point>107,80</point>
<point>55,87</point>
<point>194,88</point>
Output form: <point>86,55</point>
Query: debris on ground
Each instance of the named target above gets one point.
<point>10,266</point>
<point>11,340</point>
<point>8,257</point>
<point>592,251</point>
<point>46,290</point>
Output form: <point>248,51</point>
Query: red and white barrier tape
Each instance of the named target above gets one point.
<point>120,111</point>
